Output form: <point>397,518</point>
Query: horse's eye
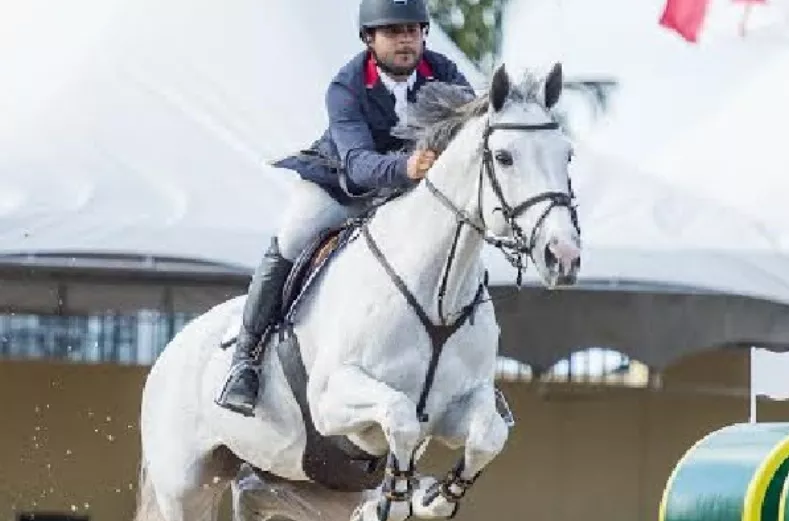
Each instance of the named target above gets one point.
<point>503,157</point>
<point>570,156</point>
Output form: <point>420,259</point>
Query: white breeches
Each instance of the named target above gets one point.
<point>311,210</point>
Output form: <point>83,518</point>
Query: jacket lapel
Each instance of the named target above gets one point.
<point>380,95</point>
<point>420,80</point>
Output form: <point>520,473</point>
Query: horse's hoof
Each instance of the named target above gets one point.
<point>367,511</point>
<point>428,505</point>
<point>396,511</point>
<point>358,514</point>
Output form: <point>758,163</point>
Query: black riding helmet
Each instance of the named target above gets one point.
<point>378,13</point>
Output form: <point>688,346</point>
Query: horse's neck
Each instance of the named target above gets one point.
<point>416,234</point>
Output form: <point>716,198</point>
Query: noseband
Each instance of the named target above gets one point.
<point>513,249</point>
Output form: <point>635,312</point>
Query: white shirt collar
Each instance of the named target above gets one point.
<point>393,85</point>
<point>400,91</point>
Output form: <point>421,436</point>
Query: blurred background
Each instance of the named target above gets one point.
<point>135,194</point>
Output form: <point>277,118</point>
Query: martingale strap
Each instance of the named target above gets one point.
<point>439,334</point>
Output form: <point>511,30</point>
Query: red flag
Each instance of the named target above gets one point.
<point>685,17</point>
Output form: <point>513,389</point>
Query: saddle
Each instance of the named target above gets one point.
<point>309,263</point>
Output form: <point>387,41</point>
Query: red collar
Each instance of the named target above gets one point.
<point>371,71</point>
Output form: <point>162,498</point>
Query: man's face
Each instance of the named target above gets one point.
<point>398,47</point>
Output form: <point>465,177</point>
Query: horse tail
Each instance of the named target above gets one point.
<point>147,505</point>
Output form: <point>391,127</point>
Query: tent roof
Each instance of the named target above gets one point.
<point>665,83</point>
<point>735,155</point>
<point>138,127</point>
<point>136,133</point>
<point>152,139</point>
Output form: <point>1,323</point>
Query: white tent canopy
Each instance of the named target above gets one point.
<point>145,127</point>
<point>737,155</point>
<point>666,84</point>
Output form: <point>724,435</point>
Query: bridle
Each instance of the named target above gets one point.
<point>512,249</point>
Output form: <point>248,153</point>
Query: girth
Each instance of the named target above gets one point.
<point>333,461</point>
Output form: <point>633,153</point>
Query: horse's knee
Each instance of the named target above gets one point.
<point>426,504</point>
<point>402,428</point>
<point>181,477</point>
<point>487,434</point>
<point>401,419</point>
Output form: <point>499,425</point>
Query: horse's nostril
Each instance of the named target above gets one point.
<point>550,259</point>
<point>563,258</point>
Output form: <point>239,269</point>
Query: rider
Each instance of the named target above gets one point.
<point>365,100</point>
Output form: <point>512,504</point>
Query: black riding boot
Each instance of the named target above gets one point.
<point>264,299</point>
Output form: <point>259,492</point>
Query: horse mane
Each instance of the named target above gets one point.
<point>442,109</point>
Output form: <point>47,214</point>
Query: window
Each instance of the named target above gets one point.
<point>592,366</point>
<point>134,338</point>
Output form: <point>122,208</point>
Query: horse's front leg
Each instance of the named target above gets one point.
<point>473,421</point>
<point>352,402</point>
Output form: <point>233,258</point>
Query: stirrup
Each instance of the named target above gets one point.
<point>221,399</point>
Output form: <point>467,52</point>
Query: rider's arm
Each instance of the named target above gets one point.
<point>366,168</point>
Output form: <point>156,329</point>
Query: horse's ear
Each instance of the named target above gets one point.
<point>499,88</point>
<point>553,85</point>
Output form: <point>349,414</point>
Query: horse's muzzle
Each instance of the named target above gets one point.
<point>563,261</point>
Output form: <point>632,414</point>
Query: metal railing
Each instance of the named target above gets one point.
<point>134,339</point>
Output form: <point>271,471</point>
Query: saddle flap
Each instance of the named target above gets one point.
<point>311,256</point>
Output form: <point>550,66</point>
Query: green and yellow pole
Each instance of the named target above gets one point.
<point>737,473</point>
<point>783,504</point>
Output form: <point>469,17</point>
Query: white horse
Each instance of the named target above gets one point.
<point>396,333</point>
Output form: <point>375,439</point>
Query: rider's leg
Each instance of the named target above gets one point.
<point>240,391</point>
<point>311,211</point>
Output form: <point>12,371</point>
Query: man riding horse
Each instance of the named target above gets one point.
<point>356,154</point>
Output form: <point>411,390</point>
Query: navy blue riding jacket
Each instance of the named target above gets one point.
<point>361,115</point>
